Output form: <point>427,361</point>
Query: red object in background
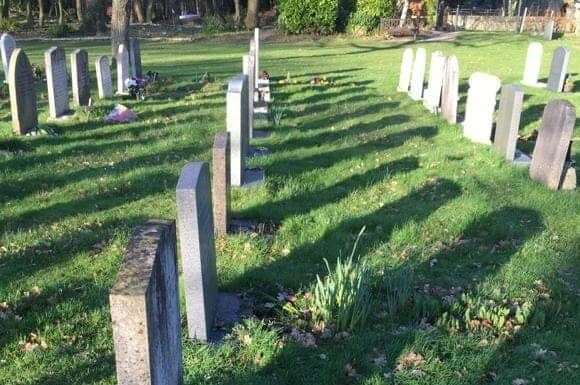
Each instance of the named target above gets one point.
<point>110,11</point>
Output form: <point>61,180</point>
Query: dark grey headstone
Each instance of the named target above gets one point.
<point>135,57</point>
<point>553,143</point>
<point>145,309</point>
<point>549,30</point>
<point>81,81</point>
<point>508,120</point>
<point>56,81</point>
<point>22,93</point>
<point>196,241</point>
<point>558,69</point>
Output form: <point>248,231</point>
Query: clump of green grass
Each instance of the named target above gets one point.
<point>277,113</point>
<point>396,289</point>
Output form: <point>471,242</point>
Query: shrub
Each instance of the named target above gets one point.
<point>9,25</point>
<point>309,16</point>
<point>60,30</point>
<point>215,24</point>
<point>368,14</point>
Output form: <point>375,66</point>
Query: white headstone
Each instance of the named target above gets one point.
<point>104,81</point>
<point>56,81</point>
<point>549,30</point>
<point>122,69</point>
<point>248,68</point>
<point>406,67</point>
<point>7,45</point>
<point>450,90</point>
<point>237,126</point>
<point>418,75</point>
<point>257,54</point>
<point>432,95</point>
<point>481,101</point>
<point>533,64</point>
<point>558,69</point>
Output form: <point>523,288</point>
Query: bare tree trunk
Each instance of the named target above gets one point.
<point>149,15</point>
<point>29,17</point>
<point>404,13</point>
<point>138,9</point>
<point>5,11</point>
<point>40,13</point>
<point>60,12</point>
<point>80,5</point>
<point>237,12</point>
<point>252,14</point>
<point>120,24</point>
<point>96,14</point>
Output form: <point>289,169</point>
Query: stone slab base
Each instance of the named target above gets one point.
<point>522,159</point>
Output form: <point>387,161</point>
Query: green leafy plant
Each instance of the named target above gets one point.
<point>309,16</point>
<point>59,30</point>
<point>215,24</point>
<point>9,25</point>
<point>396,289</point>
<point>277,113</point>
<point>343,298</point>
<point>368,14</point>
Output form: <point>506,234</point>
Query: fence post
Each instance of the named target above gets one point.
<point>523,20</point>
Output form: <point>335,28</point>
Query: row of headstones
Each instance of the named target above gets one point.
<point>20,80</point>
<point>550,163</point>
<point>558,67</point>
<point>145,298</point>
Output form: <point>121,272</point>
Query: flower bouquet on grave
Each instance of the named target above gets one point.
<point>141,87</point>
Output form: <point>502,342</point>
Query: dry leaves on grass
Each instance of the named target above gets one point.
<point>303,338</point>
<point>410,360</point>
<point>33,342</point>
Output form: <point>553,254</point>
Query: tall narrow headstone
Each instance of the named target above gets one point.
<point>406,67</point>
<point>237,126</point>
<point>135,57</point>
<point>418,74</point>
<point>22,93</point>
<point>81,85</point>
<point>481,101</point>
<point>104,81</point>
<point>221,182</point>
<point>257,55</point>
<point>432,95</point>
<point>56,81</point>
<point>450,90</point>
<point>196,241</point>
<point>508,120</point>
<point>7,46</point>
<point>558,69</point>
<point>248,67</point>
<point>533,64</point>
<point>553,143</point>
<point>145,309</point>
<point>549,30</point>
<point>122,69</point>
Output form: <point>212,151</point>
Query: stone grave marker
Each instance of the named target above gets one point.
<point>481,101</point>
<point>418,74</point>
<point>145,309</point>
<point>236,122</point>
<point>450,89</point>
<point>508,122</point>
<point>196,240</point>
<point>22,93</point>
<point>248,69</point>
<point>406,67</point>
<point>549,30</point>
<point>81,81</point>
<point>558,69</point>
<point>221,182</point>
<point>553,144</point>
<point>533,64</point>
<point>135,58</point>
<point>104,81</point>
<point>56,82</point>
<point>7,46</point>
<point>257,55</point>
<point>122,70</point>
<point>432,94</point>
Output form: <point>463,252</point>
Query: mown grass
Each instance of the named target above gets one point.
<point>345,156</point>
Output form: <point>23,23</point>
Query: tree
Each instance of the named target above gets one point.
<point>95,16</point>
<point>238,12</point>
<point>40,13</point>
<point>80,6</point>
<point>120,24</point>
<point>252,14</point>
<point>5,9</point>
<point>138,9</point>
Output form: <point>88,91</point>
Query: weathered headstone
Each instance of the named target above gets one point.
<point>196,240</point>
<point>406,67</point>
<point>553,143</point>
<point>248,68</point>
<point>480,106</point>
<point>450,89</point>
<point>221,182</point>
<point>56,82</point>
<point>549,30</point>
<point>81,85</point>
<point>237,126</point>
<point>432,94</point>
<point>135,58</point>
<point>122,69</point>
<point>104,81</point>
<point>257,55</point>
<point>418,74</point>
<point>558,69</point>
<point>7,46</point>
<point>533,64</point>
<point>145,309</point>
<point>508,120</point>
<point>22,93</point>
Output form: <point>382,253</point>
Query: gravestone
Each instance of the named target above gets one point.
<point>145,309</point>
<point>56,81</point>
<point>81,85</point>
<point>553,143</point>
<point>549,30</point>
<point>418,74</point>
<point>7,46</point>
<point>533,64</point>
<point>135,58</point>
<point>480,106</point>
<point>450,90</point>
<point>406,67</point>
<point>237,126</point>
<point>432,94</point>
<point>558,69</point>
<point>196,241</point>
<point>122,70</point>
<point>257,56</point>
<point>248,69</point>
<point>104,81</point>
<point>508,120</point>
<point>221,182</point>
<point>22,93</point>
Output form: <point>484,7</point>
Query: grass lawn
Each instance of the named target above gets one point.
<point>347,155</point>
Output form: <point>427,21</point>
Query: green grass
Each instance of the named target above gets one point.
<point>344,156</point>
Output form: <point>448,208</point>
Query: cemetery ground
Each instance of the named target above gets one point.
<point>443,217</point>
